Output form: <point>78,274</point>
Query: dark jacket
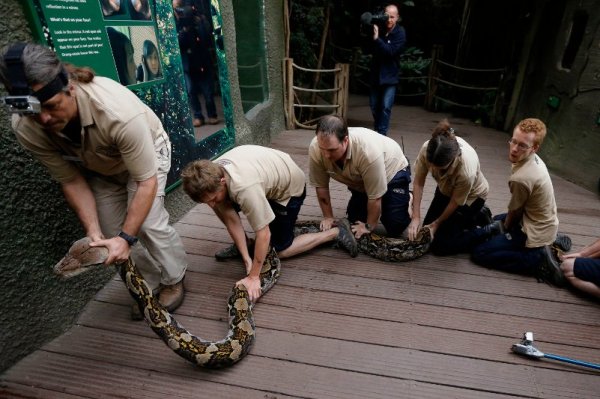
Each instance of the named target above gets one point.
<point>195,41</point>
<point>386,52</point>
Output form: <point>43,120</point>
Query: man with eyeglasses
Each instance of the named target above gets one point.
<point>531,223</point>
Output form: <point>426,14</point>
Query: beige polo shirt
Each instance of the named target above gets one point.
<point>463,181</point>
<point>531,189</point>
<point>255,175</point>
<point>372,160</point>
<point>119,134</point>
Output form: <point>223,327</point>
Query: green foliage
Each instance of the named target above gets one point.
<point>413,72</point>
<point>412,62</point>
<point>307,18</point>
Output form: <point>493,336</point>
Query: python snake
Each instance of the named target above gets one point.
<point>227,351</point>
<point>379,247</point>
<point>209,354</point>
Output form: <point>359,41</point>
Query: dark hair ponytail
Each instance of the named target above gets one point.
<point>443,147</point>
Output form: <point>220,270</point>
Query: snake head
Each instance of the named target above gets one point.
<point>80,258</point>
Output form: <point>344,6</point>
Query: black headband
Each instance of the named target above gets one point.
<point>19,86</point>
<point>53,87</point>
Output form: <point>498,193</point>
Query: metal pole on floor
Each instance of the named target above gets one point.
<point>526,348</point>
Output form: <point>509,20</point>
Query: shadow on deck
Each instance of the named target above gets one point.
<point>335,327</point>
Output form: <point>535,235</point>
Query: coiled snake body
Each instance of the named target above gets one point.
<point>232,348</point>
<point>209,354</point>
<point>382,248</point>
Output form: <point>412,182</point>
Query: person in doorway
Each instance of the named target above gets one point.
<point>111,156</point>
<point>386,46</point>
<point>372,166</point>
<point>458,206</point>
<point>531,222</point>
<point>195,42</point>
<point>269,188</point>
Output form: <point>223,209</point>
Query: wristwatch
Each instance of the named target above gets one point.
<point>131,240</point>
<point>368,226</point>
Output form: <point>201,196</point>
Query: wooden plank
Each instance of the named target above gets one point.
<point>308,318</point>
<point>508,326</point>
<point>335,327</point>
<point>288,379</point>
<point>408,364</point>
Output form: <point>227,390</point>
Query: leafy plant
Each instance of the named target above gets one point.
<point>413,72</point>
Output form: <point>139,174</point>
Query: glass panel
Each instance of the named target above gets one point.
<point>250,44</point>
<point>197,37</point>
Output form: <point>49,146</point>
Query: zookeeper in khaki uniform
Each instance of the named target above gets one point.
<point>373,167</point>
<point>458,205</point>
<point>531,221</point>
<point>269,188</point>
<point>111,155</point>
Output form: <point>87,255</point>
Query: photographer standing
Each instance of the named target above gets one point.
<point>387,45</point>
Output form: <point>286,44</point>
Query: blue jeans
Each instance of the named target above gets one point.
<point>458,233</point>
<point>201,84</point>
<point>508,252</point>
<point>394,205</point>
<point>381,100</point>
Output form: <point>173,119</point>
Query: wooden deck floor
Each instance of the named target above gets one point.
<point>335,327</point>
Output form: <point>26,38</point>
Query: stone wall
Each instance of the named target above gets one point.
<point>567,99</point>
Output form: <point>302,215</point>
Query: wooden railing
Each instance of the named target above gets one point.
<point>440,83</point>
<point>295,97</point>
<point>447,84</point>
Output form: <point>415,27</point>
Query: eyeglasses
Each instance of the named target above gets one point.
<point>521,146</point>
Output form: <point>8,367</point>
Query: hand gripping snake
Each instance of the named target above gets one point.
<point>199,351</point>
<point>227,351</point>
<point>379,247</point>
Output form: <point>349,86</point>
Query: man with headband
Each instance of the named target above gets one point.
<point>109,152</point>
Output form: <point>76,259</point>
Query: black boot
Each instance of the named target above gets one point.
<point>494,228</point>
<point>548,269</point>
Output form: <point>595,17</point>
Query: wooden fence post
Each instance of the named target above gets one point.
<point>433,72</point>
<point>340,98</point>
<point>288,97</point>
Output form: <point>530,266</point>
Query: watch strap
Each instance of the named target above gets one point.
<point>131,240</point>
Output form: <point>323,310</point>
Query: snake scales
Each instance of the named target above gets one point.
<point>382,248</point>
<point>222,353</point>
<point>236,344</point>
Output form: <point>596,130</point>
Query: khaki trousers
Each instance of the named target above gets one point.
<point>159,254</point>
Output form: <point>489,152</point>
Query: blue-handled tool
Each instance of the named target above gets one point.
<point>526,348</point>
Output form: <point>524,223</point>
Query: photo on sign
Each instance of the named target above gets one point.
<point>136,53</point>
<point>137,10</point>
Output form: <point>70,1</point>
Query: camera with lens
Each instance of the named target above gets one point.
<point>25,105</point>
<point>378,18</point>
